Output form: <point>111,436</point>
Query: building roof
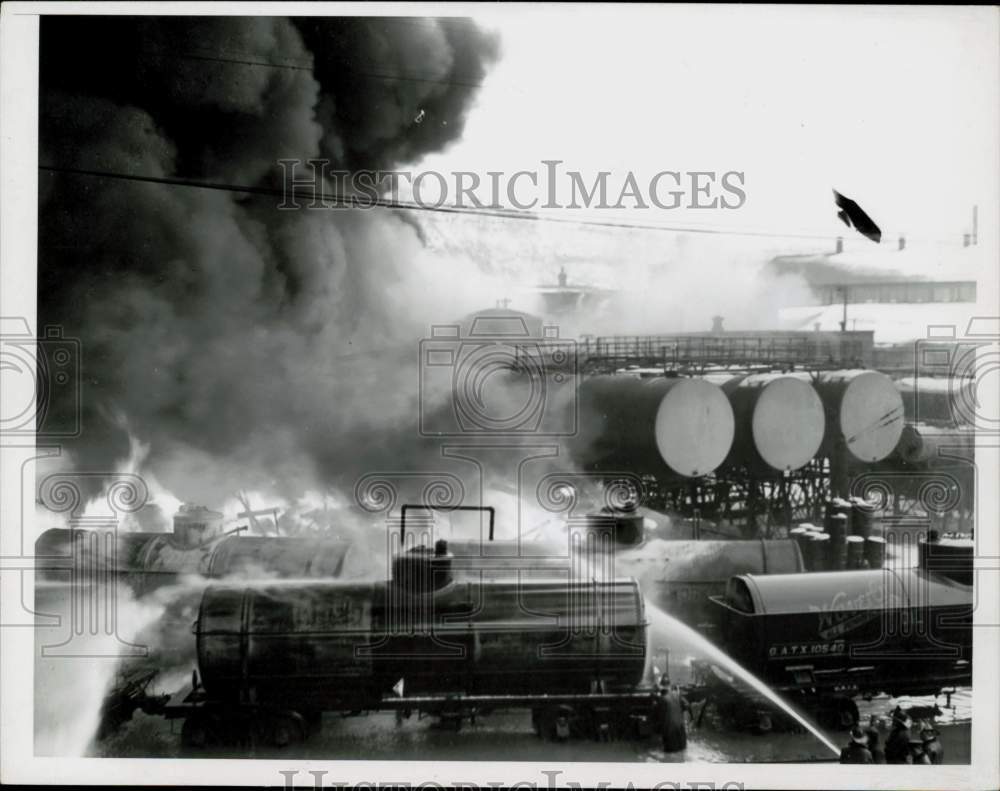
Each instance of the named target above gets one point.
<point>502,322</point>
<point>885,263</point>
<point>895,322</point>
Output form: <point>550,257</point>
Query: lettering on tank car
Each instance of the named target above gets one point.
<point>507,644</point>
<point>799,650</point>
<point>332,613</point>
<point>845,612</point>
<point>679,591</point>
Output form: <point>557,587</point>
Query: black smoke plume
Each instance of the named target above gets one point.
<point>248,346</point>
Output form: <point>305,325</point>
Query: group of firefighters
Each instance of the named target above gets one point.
<point>865,746</point>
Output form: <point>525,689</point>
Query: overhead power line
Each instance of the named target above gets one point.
<point>245,60</point>
<point>334,200</point>
<point>350,201</point>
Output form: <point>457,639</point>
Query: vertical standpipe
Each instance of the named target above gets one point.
<point>681,427</point>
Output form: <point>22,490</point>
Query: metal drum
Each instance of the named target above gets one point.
<point>875,552</point>
<point>836,527</point>
<point>862,517</point>
<point>681,427</point>
<point>780,421</point>
<point>818,552</point>
<point>801,535</point>
<point>855,552</point>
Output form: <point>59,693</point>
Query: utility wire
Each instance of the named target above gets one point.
<point>334,200</point>
<point>245,61</point>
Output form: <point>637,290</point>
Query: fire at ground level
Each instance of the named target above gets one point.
<point>847,525</point>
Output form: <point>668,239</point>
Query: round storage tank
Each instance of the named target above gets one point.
<point>931,446</point>
<point>628,423</point>
<point>780,421</point>
<point>943,400</point>
<point>865,409</point>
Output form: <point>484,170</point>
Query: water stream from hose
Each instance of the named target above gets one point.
<point>667,630</point>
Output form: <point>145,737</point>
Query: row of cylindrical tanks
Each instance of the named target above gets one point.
<point>689,426</point>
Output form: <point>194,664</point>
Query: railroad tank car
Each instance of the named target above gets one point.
<point>864,411</point>
<point>146,561</point>
<point>344,647</point>
<point>678,576</point>
<point>899,632</point>
<point>780,421</point>
<point>928,446</point>
<point>284,651</point>
<point>677,427</point>
<point>941,401</point>
<point>933,465</point>
<point>681,577</point>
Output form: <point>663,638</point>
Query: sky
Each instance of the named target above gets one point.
<point>895,107</point>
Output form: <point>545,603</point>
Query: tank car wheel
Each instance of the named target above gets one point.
<point>673,730</point>
<point>196,732</point>
<point>554,723</point>
<point>313,720</point>
<point>284,730</point>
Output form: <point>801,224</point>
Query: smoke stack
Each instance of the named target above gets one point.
<point>902,242</point>
<point>840,245</point>
<point>562,277</point>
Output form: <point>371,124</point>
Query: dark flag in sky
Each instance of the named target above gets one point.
<point>855,217</point>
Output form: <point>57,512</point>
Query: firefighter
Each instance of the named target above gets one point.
<point>897,746</point>
<point>931,751</point>
<point>673,729</point>
<point>856,751</point>
<point>874,730</point>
